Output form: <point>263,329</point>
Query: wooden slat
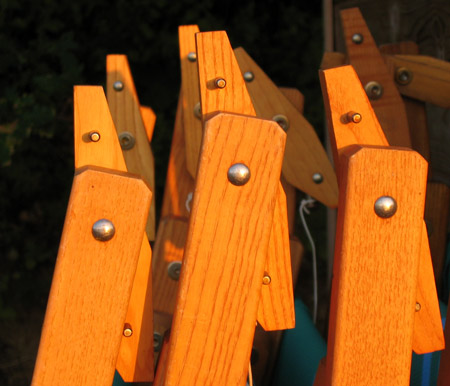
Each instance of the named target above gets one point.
<point>338,102</point>
<point>332,59</point>
<point>93,280</point>
<point>370,66</point>
<point>304,155</point>
<point>191,96</point>
<point>149,120</point>
<point>375,268</point>
<point>125,111</point>
<point>135,360</point>
<point>226,249</point>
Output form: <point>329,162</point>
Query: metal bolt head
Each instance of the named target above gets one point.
<point>385,207</point>
<point>157,341</point>
<point>357,38</point>
<point>94,136</point>
<point>192,56</point>
<point>220,82</point>
<point>317,178</point>
<point>403,76</point>
<point>126,140</point>
<point>127,330</point>
<point>118,85</point>
<point>238,174</point>
<point>198,110</point>
<point>282,120</point>
<point>249,76</point>
<point>418,306</point>
<point>354,117</point>
<point>374,90</point>
<point>174,269</point>
<point>103,230</point>
<point>266,279</point>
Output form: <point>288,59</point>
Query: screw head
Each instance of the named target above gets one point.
<point>249,76</point>
<point>157,341</point>
<point>192,56</point>
<point>220,83</point>
<point>94,136</point>
<point>266,279</point>
<point>127,330</point>
<point>357,38</point>
<point>198,110</point>
<point>354,117</point>
<point>118,85</point>
<point>103,230</point>
<point>418,307</point>
<point>126,140</point>
<point>317,178</point>
<point>385,206</point>
<point>282,120</point>
<point>403,76</point>
<point>374,90</point>
<point>238,174</point>
<point>174,269</point>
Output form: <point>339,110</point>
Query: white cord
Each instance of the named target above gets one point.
<point>303,208</point>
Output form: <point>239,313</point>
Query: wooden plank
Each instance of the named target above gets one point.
<point>93,280</point>
<point>192,124</point>
<point>332,59</point>
<point>369,65</point>
<point>125,111</point>
<point>162,362</point>
<point>149,120</point>
<point>226,249</point>
<point>375,268</point>
<point>270,102</point>
<point>135,360</point>
<point>343,133</point>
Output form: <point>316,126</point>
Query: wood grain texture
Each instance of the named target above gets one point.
<point>225,253</point>
<point>125,111</point>
<point>304,155</point>
<point>93,280</point>
<point>338,102</point>
<point>162,362</point>
<point>294,96</point>
<point>375,268</point>
<point>430,78</point>
<point>149,120</point>
<point>217,60</point>
<point>193,130</point>
<point>135,360</point>
<point>370,66</point>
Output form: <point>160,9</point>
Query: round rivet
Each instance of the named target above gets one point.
<point>192,56</point>
<point>118,85</point>
<point>418,306</point>
<point>385,207</point>
<point>354,117</point>
<point>357,38</point>
<point>266,279</point>
<point>403,76</point>
<point>103,230</point>
<point>248,76</point>
<point>374,90</point>
<point>126,140</point>
<point>317,178</point>
<point>238,174</point>
<point>198,110</point>
<point>94,136</point>
<point>174,269</point>
<point>220,83</point>
<point>127,330</point>
<point>282,120</point>
<point>157,341</point>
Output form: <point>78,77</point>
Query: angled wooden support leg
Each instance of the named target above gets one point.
<point>93,279</point>
<point>225,253</point>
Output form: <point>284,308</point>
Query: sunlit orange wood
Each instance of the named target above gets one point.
<point>304,155</point>
<point>191,96</point>
<point>369,65</point>
<point>343,133</point>
<point>125,111</point>
<point>135,360</point>
<point>223,266</point>
<point>92,281</point>
<point>375,267</point>
<point>149,120</point>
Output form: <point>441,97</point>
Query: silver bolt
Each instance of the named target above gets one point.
<point>118,85</point>
<point>317,178</point>
<point>249,76</point>
<point>192,56</point>
<point>174,269</point>
<point>357,38</point>
<point>103,230</point>
<point>354,117</point>
<point>198,110</point>
<point>266,279</point>
<point>403,76</point>
<point>238,174</point>
<point>94,136</point>
<point>374,90</point>
<point>157,341</point>
<point>282,120</point>
<point>126,140</point>
<point>127,330</point>
<point>220,82</point>
<point>385,207</point>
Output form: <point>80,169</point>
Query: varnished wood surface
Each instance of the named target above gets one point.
<point>149,120</point>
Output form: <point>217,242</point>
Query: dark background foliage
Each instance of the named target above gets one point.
<point>47,47</point>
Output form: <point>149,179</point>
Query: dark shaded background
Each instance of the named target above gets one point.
<point>46,48</point>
